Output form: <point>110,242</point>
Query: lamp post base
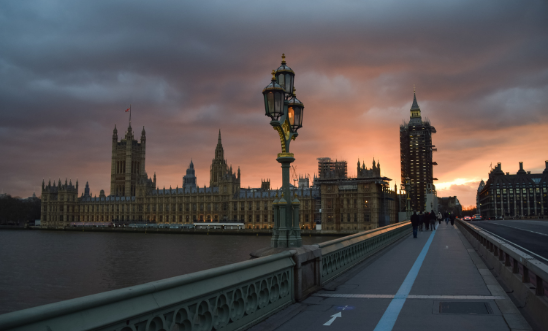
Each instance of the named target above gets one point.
<point>286,232</point>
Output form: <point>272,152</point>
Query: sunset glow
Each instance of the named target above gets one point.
<point>190,69</point>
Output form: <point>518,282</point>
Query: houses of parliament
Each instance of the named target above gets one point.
<point>335,201</point>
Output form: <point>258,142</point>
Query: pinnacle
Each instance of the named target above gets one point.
<point>415,105</point>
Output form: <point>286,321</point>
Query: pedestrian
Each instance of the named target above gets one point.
<point>426,220</point>
<point>415,223</point>
<point>446,217</point>
<point>452,219</point>
<point>432,221</point>
<point>440,217</point>
<point>421,221</point>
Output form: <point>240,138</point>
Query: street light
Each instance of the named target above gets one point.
<point>407,191</point>
<point>286,114</point>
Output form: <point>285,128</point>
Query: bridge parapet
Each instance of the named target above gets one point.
<point>339,255</point>
<point>524,275</point>
<point>231,297</point>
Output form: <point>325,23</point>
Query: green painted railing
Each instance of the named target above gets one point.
<point>341,254</point>
<point>231,297</point>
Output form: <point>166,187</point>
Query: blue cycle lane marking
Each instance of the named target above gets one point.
<point>391,314</point>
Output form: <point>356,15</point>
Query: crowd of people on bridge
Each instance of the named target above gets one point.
<point>425,221</point>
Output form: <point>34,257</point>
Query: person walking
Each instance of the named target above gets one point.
<point>452,219</point>
<point>446,217</point>
<point>426,221</point>
<point>440,217</point>
<point>432,221</point>
<point>421,220</point>
<point>415,223</point>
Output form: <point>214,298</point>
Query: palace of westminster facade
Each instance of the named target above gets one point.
<point>337,202</point>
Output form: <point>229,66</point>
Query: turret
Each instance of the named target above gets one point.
<point>521,171</point>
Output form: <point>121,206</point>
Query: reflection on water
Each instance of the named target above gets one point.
<point>40,267</point>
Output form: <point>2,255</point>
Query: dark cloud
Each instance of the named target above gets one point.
<point>69,69</point>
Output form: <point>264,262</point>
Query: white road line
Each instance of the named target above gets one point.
<point>426,297</point>
<point>516,245</point>
<point>512,227</point>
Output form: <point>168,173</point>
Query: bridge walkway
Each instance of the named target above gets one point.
<point>434,282</point>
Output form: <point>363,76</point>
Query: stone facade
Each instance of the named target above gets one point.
<point>135,198</point>
<point>357,204</point>
<point>520,195</point>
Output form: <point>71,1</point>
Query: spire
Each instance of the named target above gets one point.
<point>143,133</point>
<point>415,105</point>
<point>115,132</point>
<point>219,142</point>
<point>191,164</point>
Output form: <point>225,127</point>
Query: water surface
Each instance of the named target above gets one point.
<point>40,267</point>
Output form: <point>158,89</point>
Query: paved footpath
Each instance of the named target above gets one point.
<point>434,282</point>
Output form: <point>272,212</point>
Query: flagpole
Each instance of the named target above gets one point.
<point>130,115</point>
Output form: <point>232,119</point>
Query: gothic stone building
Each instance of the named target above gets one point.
<point>135,198</point>
<point>416,156</point>
<point>520,195</point>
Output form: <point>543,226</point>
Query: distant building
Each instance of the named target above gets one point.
<point>355,204</point>
<point>480,188</point>
<point>416,156</point>
<point>521,195</point>
<point>189,180</point>
<point>431,197</point>
<point>450,204</point>
<point>327,168</point>
<point>304,182</point>
<point>351,204</point>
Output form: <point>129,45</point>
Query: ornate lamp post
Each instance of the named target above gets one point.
<point>407,189</point>
<point>286,113</point>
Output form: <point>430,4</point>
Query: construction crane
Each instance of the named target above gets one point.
<point>294,175</point>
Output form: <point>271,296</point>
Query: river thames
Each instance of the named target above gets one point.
<point>41,267</point>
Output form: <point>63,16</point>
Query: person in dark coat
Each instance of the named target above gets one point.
<point>415,223</point>
<point>421,221</point>
<point>426,221</point>
<point>452,219</point>
<point>432,221</point>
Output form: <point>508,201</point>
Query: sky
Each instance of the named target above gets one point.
<point>69,69</point>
